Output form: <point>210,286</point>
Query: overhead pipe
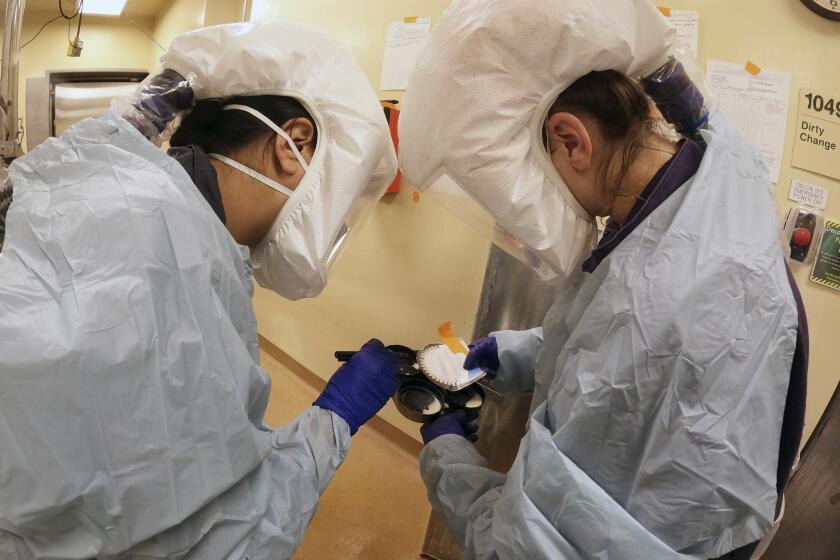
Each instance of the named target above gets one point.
<point>9,138</point>
<point>9,127</point>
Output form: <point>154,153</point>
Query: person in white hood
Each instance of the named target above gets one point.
<point>668,378</point>
<point>131,397</point>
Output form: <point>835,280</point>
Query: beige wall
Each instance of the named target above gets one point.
<point>179,17</point>
<point>412,267</point>
<point>224,11</point>
<point>784,35</point>
<point>108,43</point>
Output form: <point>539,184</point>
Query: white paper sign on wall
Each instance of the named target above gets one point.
<point>812,195</point>
<point>816,146</point>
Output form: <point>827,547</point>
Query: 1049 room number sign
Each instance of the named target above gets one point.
<point>817,144</point>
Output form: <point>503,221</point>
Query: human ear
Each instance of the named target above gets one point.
<point>302,133</point>
<point>569,141</point>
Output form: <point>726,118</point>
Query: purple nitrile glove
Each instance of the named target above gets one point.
<point>678,98</point>
<point>484,354</point>
<point>457,423</point>
<point>362,386</point>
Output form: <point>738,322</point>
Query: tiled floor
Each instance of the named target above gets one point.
<point>376,506</point>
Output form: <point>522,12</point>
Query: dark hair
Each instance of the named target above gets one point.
<point>620,107</point>
<point>224,132</point>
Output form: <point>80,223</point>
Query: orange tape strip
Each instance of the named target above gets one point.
<point>445,331</point>
<point>410,19</point>
<point>752,68</point>
<point>665,11</point>
<point>416,196</point>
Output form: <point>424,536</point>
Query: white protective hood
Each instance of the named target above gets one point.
<point>354,161</point>
<point>475,105</point>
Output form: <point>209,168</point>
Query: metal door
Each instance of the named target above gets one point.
<point>512,298</point>
<point>810,524</point>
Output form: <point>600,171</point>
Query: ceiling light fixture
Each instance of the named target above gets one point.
<point>104,7</point>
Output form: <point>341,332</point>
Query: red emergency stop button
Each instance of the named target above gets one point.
<point>801,237</point>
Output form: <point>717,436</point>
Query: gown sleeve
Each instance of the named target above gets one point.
<point>544,508</point>
<point>517,359</point>
<point>304,457</point>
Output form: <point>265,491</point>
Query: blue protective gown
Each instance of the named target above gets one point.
<point>659,388</point>
<point>131,397</point>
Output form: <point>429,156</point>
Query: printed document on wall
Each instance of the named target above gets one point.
<point>756,104</point>
<point>403,44</point>
<point>687,24</point>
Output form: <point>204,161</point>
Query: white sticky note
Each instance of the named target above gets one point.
<point>687,24</point>
<point>403,44</point>
<point>811,195</point>
<point>757,105</point>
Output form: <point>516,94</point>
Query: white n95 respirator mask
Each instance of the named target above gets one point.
<point>354,160</point>
<point>473,115</point>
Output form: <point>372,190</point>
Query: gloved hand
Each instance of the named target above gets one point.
<point>679,100</point>
<point>362,386</point>
<point>484,354</point>
<point>163,97</point>
<point>157,102</point>
<point>457,423</point>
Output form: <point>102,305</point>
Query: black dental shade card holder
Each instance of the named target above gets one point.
<point>417,397</point>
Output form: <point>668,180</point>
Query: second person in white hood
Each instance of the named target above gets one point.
<point>668,377</point>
